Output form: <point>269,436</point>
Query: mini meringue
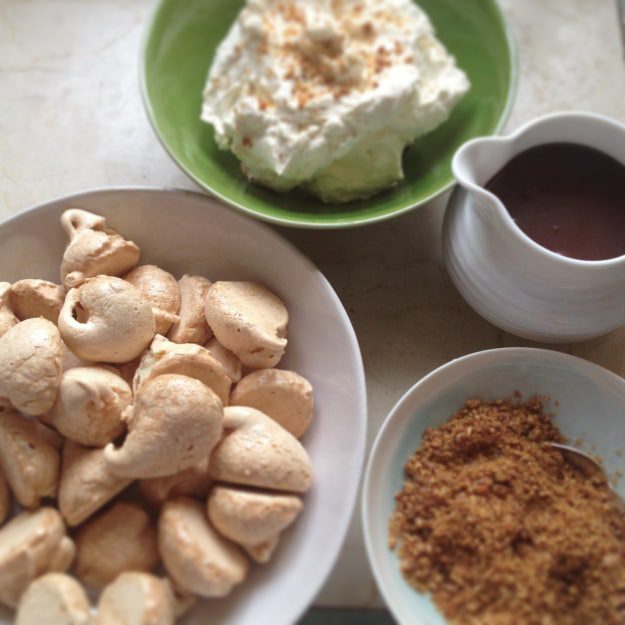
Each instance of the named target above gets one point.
<point>106,319</point>
<point>54,599</point>
<point>285,396</point>
<point>33,298</point>
<point>195,556</point>
<point>93,249</point>
<point>252,519</point>
<point>30,366</point>
<point>29,458</point>
<point>89,407</point>
<point>257,451</point>
<point>86,483</point>
<point>137,599</point>
<point>32,544</point>
<point>120,539</point>
<point>249,320</point>
<point>175,423</point>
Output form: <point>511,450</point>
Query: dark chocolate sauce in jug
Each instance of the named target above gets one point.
<point>568,198</point>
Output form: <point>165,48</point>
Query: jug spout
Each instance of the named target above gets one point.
<point>475,163</point>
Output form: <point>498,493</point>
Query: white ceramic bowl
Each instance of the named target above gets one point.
<point>187,232</point>
<point>591,408</point>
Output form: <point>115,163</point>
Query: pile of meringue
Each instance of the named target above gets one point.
<point>143,427</point>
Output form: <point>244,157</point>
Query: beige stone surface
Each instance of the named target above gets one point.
<point>71,118</point>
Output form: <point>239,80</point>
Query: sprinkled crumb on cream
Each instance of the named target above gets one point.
<point>327,93</point>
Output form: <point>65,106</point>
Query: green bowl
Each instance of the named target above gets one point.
<point>179,48</point>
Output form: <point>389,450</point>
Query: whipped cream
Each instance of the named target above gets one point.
<point>327,93</point>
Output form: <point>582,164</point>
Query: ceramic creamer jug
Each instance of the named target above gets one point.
<point>507,277</point>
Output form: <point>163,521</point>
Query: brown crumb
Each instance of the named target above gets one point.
<point>368,30</point>
<point>501,530</point>
<point>247,142</point>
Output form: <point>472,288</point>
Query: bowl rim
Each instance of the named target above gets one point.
<point>493,355</point>
<point>358,442</point>
<point>514,71</point>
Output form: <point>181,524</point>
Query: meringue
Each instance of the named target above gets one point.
<point>252,519</point>
<point>93,249</point>
<point>32,298</point>
<point>285,396</point>
<point>29,458</point>
<point>137,599</point>
<point>175,423</point>
<point>30,366</point>
<point>249,320</point>
<point>120,539</point>
<point>257,451</point>
<point>86,483</point>
<point>106,319</point>
<point>195,556</point>
<point>54,599</point>
<point>31,544</point>
<point>89,406</point>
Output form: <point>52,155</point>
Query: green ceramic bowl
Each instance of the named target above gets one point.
<point>179,48</point>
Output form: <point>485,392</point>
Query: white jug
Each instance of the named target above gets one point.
<point>507,277</point>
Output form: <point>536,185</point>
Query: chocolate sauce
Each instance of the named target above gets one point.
<point>568,198</point>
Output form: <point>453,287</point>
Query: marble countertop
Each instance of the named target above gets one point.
<point>71,118</point>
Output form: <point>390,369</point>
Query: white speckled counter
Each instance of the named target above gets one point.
<point>71,118</point>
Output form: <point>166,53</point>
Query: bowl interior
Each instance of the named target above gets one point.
<point>179,49</point>
<point>186,232</point>
<point>591,407</point>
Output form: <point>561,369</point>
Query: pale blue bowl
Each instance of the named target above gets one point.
<point>591,408</point>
